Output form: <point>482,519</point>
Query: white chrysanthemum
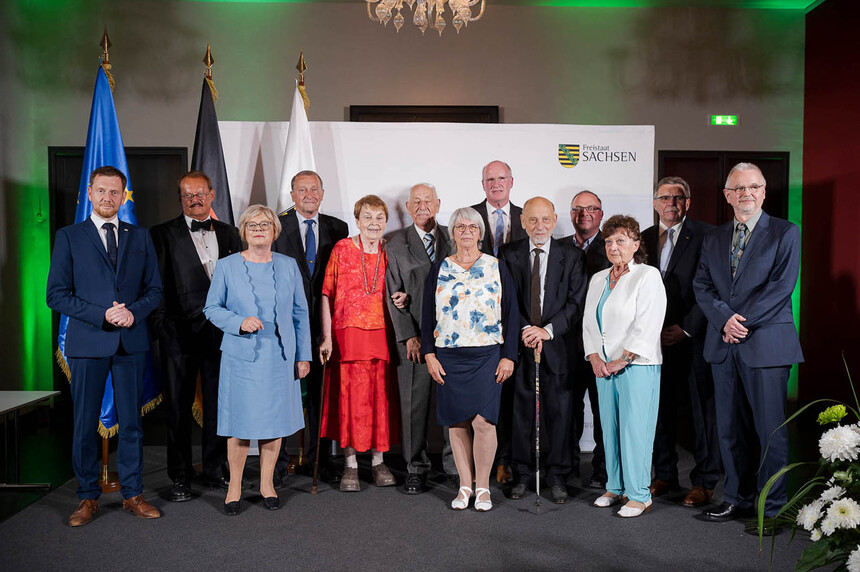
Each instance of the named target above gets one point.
<point>809,515</point>
<point>854,560</point>
<point>845,513</point>
<point>840,444</point>
<point>816,535</point>
<point>828,527</point>
<point>832,494</point>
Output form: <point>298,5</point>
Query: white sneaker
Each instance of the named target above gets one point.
<point>627,511</point>
<point>462,500</point>
<point>483,505</point>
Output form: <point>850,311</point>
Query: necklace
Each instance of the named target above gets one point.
<point>614,280</point>
<point>364,269</point>
<point>462,263</point>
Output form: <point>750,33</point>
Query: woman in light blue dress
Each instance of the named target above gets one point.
<point>621,325</point>
<point>257,299</point>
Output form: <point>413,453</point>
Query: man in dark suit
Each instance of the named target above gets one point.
<point>411,252</point>
<point>551,283</point>
<point>189,346</point>
<point>503,225</point>
<point>747,273</point>
<point>673,247</point>
<point>309,236</point>
<point>104,277</point>
<point>586,214</point>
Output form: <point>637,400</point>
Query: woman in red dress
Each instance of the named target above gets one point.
<point>359,386</point>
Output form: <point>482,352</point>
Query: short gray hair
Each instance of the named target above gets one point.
<point>469,214</point>
<point>744,167</point>
<point>428,185</point>
<point>672,181</point>
<point>255,210</point>
<point>592,193</point>
<point>508,167</point>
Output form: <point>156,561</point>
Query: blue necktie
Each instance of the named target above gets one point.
<point>499,233</point>
<point>310,246</point>
<point>111,243</point>
<point>428,246</point>
<point>666,253</point>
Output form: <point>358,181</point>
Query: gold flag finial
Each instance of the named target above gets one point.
<point>301,67</point>
<point>208,60</point>
<point>105,58</point>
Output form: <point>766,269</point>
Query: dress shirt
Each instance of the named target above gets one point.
<point>585,244</point>
<point>303,228</point>
<point>206,244</point>
<point>677,227</point>
<point>99,221</point>
<point>422,234</point>
<point>750,227</point>
<point>543,266</point>
<point>493,218</point>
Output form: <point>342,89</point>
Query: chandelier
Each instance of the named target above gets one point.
<point>425,11</point>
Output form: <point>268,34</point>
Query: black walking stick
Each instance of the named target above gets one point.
<point>319,427</point>
<point>537,427</point>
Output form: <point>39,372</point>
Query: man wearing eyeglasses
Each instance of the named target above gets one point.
<point>188,345</point>
<point>673,246</point>
<point>502,221</point>
<point>746,275</point>
<point>586,214</point>
<point>308,236</point>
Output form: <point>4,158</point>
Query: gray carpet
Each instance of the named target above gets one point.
<point>376,528</point>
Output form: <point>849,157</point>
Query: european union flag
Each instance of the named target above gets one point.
<point>104,147</point>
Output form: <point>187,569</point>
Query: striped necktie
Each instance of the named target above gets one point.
<point>499,233</point>
<point>429,246</point>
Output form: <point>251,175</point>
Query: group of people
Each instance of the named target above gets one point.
<point>480,309</point>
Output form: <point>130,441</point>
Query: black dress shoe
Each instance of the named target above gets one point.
<point>573,480</point>
<point>559,494</point>
<point>231,508</point>
<point>280,481</point>
<point>724,513</point>
<point>215,482</point>
<point>518,491</point>
<point>328,475</point>
<point>596,484</point>
<point>272,503</point>
<point>414,484</point>
<point>180,492</point>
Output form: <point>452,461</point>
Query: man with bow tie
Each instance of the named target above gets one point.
<point>189,346</point>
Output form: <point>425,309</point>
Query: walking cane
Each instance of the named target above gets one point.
<point>319,428</point>
<point>537,428</point>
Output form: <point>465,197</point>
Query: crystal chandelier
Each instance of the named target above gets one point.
<point>425,11</point>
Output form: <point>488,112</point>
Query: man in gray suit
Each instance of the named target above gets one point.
<point>411,252</point>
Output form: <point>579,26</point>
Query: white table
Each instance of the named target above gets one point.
<point>11,402</point>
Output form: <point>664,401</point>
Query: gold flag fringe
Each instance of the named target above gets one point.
<point>303,92</point>
<point>212,89</point>
<point>61,361</point>
<point>106,66</point>
<point>108,432</point>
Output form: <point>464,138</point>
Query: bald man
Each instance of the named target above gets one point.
<point>551,281</point>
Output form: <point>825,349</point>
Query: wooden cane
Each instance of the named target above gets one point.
<point>319,428</point>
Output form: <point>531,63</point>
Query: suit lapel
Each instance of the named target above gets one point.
<point>555,262</point>
<point>442,242</point>
<point>758,237</point>
<point>680,246</point>
<point>415,245</point>
<point>122,244</point>
<point>93,233</point>
<point>293,236</point>
<point>523,261</point>
<point>323,246</point>
<point>724,248</point>
<point>223,237</point>
<point>185,249</point>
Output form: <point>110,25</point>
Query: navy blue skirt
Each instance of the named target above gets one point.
<point>470,384</point>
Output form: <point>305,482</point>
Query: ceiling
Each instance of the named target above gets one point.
<point>758,4</point>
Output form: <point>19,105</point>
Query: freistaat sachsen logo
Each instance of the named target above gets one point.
<point>568,155</point>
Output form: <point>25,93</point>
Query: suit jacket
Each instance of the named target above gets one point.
<point>681,306</point>
<point>595,261</point>
<point>408,266</point>
<point>179,319</point>
<point>83,284</point>
<point>632,315</point>
<point>231,299</point>
<point>289,242</point>
<point>564,294</point>
<point>517,231</point>
<point>760,291</point>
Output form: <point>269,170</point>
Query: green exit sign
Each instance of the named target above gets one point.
<point>724,120</point>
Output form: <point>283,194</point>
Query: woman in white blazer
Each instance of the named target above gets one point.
<point>623,316</point>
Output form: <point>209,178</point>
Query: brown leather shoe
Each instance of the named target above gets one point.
<point>349,481</point>
<point>84,513</point>
<point>698,496</point>
<point>382,476</point>
<point>658,487</point>
<point>504,474</point>
<point>140,507</point>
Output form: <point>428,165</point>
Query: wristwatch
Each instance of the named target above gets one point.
<point>628,358</point>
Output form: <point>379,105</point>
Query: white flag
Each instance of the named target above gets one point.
<point>299,154</point>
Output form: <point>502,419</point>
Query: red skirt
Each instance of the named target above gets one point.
<point>361,399</point>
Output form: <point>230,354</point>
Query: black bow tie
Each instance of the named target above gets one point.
<point>198,225</point>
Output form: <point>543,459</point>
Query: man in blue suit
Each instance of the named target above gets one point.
<point>747,272</point>
<point>104,277</point>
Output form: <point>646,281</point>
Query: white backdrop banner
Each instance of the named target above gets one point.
<point>386,159</point>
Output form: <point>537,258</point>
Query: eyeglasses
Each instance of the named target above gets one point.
<point>671,198</point>
<point>588,209</point>
<point>254,226</point>
<point>501,180</point>
<point>189,196</point>
<point>462,228</point>
<point>741,190</point>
